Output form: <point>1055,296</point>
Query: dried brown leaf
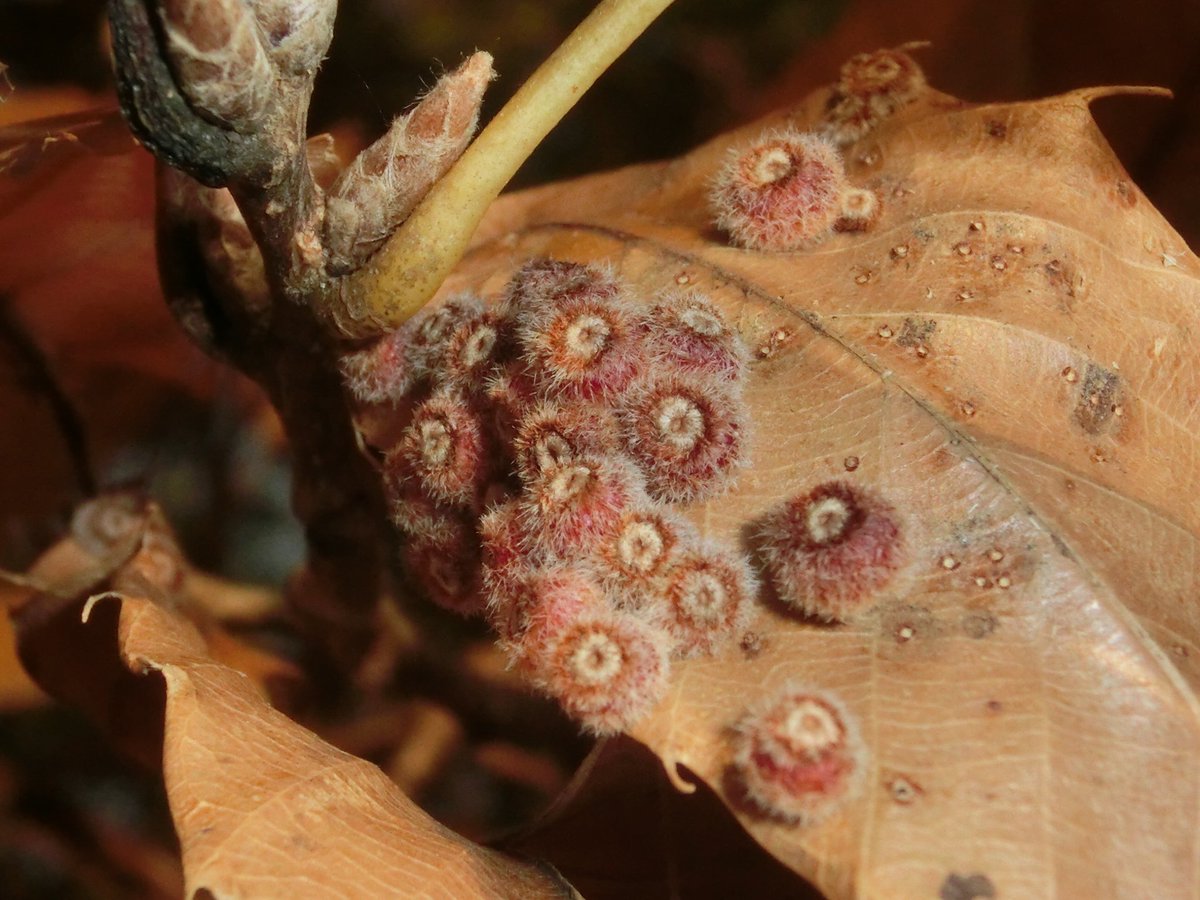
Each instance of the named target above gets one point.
<point>121,541</point>
<point>1008,356</point>
<point>265,807</point>
<point>262,806</point>
<point>77,248</point>
<point>17,689</point>
<point>79,288</point>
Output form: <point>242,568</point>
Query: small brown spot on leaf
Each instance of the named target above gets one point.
<point>870,158</point>
<point>916,332</point>
<point>1097,398</point>
<point>966,887</point>
<point>1064,278</point>
<point>943,460</point>
<point>779,338</point>
<point>979,625</point>
<point>996,129</point>
<point>994,706</point>
<point>1126,195</point>
<point>850,463</point>
<point>904,790</point>
<point>905,623</point>
<point>752,644</point>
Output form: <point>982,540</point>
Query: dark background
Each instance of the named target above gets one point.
<point>709,64</point>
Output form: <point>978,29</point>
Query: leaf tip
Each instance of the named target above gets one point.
<point>1092,94</point>
<point>673,768</point>
<point>93,600</point>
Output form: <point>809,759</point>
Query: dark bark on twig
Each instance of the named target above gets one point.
<point>161,118</point>
<point>219,90</point>
<point>336,493</point>
<point>265,168</point>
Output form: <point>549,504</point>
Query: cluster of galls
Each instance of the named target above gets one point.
<point>787,189</point>
<point>546,438</point>
<point>871,88</point>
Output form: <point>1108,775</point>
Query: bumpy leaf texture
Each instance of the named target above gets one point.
<point>1006,357</point>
